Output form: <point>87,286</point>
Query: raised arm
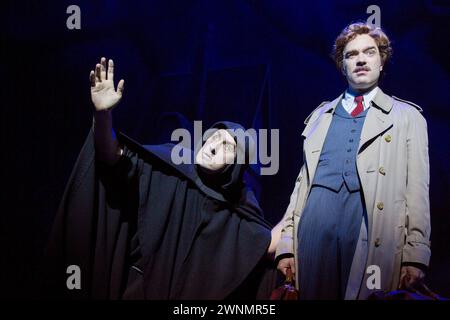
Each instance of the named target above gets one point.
<point>105,98</point>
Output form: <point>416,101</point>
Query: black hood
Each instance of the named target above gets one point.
<point>229,181</point>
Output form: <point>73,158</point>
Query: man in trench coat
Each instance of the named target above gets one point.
<point>358,219</point>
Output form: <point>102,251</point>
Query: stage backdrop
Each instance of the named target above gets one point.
<point>264,64</point>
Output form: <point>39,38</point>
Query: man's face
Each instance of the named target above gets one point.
<point>218,151</point>
<point>362,62</point>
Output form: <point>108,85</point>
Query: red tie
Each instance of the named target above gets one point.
<point>359,106</point>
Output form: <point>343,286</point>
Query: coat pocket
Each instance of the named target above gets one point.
<point>400,227</point>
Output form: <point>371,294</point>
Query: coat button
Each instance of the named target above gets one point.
<point>380,205</point>
<point>388,138</point>
<point>382,171</point>
<point>377,242</point>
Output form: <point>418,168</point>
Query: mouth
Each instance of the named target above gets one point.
<point>361,70</point>
<point>207,156</point>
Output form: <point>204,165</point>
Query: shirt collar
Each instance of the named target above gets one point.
<point>349,96</point>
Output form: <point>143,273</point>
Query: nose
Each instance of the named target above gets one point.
<point>360,60</point>
<point>215,146</point>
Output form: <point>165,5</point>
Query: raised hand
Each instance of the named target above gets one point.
<point>103,94</point>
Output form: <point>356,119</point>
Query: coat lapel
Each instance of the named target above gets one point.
<point>315,134</point>
<point>377,120</point>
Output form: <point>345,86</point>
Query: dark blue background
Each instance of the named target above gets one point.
<point>264,64</point>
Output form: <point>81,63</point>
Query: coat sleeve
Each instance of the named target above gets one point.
<point>417,244</point>
<point>286,243</point>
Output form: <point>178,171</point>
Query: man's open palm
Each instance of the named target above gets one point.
<point>103,94</point>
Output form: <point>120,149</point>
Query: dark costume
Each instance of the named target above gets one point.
<point>148,229</point>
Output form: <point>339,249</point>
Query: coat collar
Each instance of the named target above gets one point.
<point>333,104</point>
<point>381,101</point>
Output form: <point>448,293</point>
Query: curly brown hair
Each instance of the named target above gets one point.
<point>351,31</point>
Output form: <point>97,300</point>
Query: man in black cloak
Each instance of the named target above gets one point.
<point>141,227</point>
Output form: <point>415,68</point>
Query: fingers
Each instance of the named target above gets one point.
<point>285,269</point>
<point>280,266</point>
<point>111,70</point>
<point>120,87</point>
<point>103,68</point>
<point>97,73</point>
<point>102,72</point>
<point>408,283</point>
<point>401,283</point>
<point>286,263</point>
<point>414,281</point>
<point>410,277</point>
<point>282,269</point>
<point>292,267</point>
<point>92,78</point>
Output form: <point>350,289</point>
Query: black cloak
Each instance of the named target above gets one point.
<point>146,228</point>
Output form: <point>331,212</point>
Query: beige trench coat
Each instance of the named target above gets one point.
<point>393,168</point>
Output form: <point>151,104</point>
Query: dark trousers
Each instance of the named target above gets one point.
<point>327,235</point>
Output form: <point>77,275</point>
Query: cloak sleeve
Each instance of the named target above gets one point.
<point>92,228</point>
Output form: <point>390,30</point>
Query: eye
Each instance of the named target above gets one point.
<point>350,55</point>
<point>228,147</point>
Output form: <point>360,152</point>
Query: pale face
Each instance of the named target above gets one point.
<point>362,63</point>
<point>217,151</point>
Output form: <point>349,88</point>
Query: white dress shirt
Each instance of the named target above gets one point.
<point>348,101</point>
